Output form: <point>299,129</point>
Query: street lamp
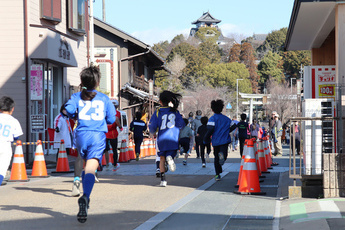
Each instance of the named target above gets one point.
<point>291,82</point>
<point>237,96</point>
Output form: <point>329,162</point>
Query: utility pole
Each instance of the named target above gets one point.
<point>103,8</point>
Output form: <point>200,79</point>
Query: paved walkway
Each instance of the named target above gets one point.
<point>131,198</point>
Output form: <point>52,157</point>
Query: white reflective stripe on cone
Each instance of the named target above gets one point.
<point>249,166</point>
<point>18,159</point>
<point>39,158</point>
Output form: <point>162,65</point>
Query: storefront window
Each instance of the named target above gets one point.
<point>51,10</point>
<point>77,15</point>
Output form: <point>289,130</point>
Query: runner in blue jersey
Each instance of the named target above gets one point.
<point>94,111</point>
<point>218,126</point>
<point>166,121</point>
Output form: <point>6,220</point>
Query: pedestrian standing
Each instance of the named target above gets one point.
<point>218,127</point>
<point>166,122</point>
<point>10,130</point>
<point>200,135</point>
<point>63,131</point>
<point>138,126</point>
<point>254,129</point>
<point>242,131</point>
<point>277,132</point>
<point>94,111</point>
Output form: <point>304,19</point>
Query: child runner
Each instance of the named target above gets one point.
<point>186,136</point>
<point>10,130</point>
<point>167,121</point>
<point>242,131</point>
<point>200,135</point>
<point>138,126</point>
<point>218,126</point>
<point>93,110</point>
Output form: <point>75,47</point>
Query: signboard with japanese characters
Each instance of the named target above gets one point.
<point>319,82</point>
<point>36,82</point>
<point>37,123</point>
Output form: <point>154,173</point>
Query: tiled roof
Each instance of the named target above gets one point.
<point>207,18</point>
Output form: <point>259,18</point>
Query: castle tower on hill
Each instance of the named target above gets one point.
<point>206,20</point>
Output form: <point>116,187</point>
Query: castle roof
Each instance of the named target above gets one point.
<point>207,18</point>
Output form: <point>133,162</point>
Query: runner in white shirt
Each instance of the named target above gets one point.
<point>10,130</point>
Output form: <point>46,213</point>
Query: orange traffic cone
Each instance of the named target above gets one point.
<point>131,153</point>
<point>39,168</point>
<point>62,165</point>
<point>18,170</point>
<point>241,167</point>
<point>261,155</point>
<point>146,147</point>
<point>123,155</point>
<point>152,149</point>
<point>142,150</point>
<point>268,154</point>
<point>249,184</point>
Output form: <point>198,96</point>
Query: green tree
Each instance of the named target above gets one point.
<point>207,33</point>
<point>225,74</point>
<point>274,42</point>
<point>162,48</point>
<point>210,50</point>
<point>195,61</point>
<point>270,68</point>
<point>293,61</point>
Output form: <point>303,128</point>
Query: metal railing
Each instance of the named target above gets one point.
<point>297,153</point>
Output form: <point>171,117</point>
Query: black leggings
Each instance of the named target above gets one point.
<point>137,143</point>
<point>219,149</point>
<point>202,151</point>
<point>113,143</point>
<point>242,140</point>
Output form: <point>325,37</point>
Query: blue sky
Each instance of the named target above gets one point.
<point>152,21</point>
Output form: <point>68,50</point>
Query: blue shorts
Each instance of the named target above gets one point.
<point>171,153</point>
<point>90,144</point>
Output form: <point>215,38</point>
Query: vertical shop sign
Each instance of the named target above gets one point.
<point>36,82</point>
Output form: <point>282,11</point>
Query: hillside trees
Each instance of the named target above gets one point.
<point>270,68</point>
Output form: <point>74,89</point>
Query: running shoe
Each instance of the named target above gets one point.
<point>221,158</point>
<point>96,177</point>
<point>171,164</point>
<point>217,178</point>
<point>166,167</point>
<point>158,173</point>
<point>163,183</point>
<point>116,167</point>
<point>184,162</point>
<point>75,188</point>
<point>83,203</point>
<point>203,165</point>
<point>109,167</point>
<point>181,150</point>
<point>207,156</point>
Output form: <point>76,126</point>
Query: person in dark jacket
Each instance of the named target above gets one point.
<point>200,136</point>
<point>138,127</point>
<point>242,131</point>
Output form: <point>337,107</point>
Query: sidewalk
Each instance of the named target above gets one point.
<point>131,198</point>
